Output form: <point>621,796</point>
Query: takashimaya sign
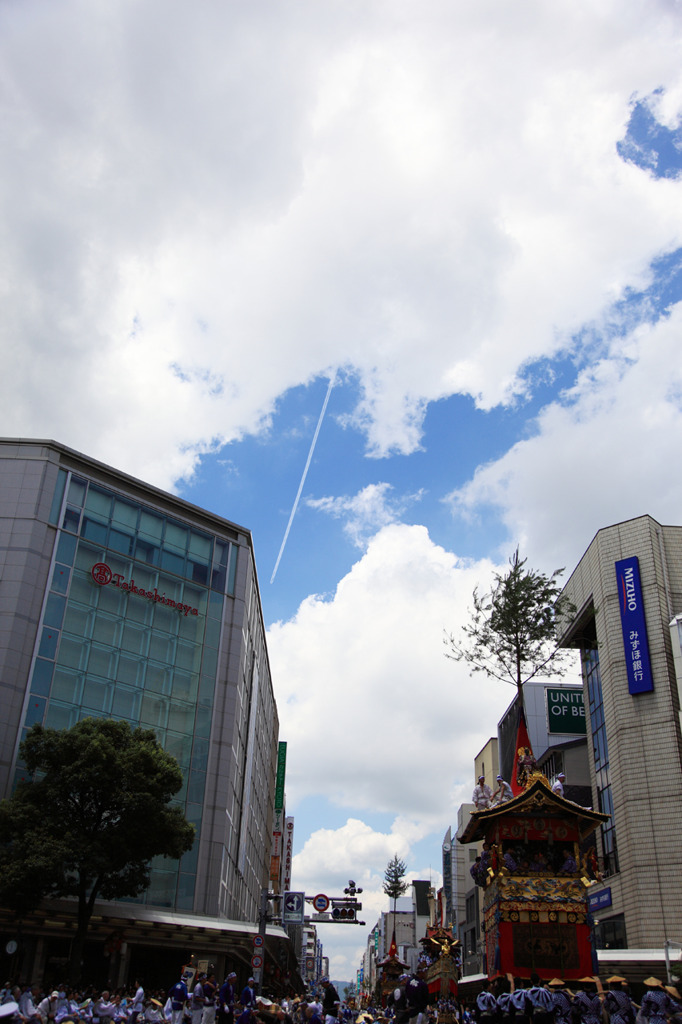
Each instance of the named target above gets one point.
<point>102,574</point>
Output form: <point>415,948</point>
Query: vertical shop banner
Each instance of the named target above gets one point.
<point>288,853</point>
<point>281,772</point>
<point>633,624</point>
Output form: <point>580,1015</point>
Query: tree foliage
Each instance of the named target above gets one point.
<point>512,634</point>
<point>87,822</point>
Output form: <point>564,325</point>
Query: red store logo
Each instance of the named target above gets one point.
<point>102,575</point>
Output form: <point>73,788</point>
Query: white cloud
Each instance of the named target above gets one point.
<point>330,857</point>
<point>365,512</point>
<point>365,672</point>
<point>606,452</point>
<point>427,195</point>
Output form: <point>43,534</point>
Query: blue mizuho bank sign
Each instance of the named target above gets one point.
<point>635,641</point>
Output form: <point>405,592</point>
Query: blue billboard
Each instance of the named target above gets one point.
<point>633,624</point>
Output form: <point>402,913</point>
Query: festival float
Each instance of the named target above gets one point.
<point>536,872</point>
<point>442,952</point>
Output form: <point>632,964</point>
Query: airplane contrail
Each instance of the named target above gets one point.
<point>332,380</point>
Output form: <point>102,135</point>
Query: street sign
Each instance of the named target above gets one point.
<point>258,940</point>
<point>293,907</point>
<point>321,902</point>
<point>257,961</point>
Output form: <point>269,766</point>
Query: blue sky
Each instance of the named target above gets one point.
<point>468,216</point>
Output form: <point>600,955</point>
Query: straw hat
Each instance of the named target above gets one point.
<point>155,1002</point>
<point>616,979</point>
<point>556,983</point>
<point>653,983</point>
<point>672,991</point>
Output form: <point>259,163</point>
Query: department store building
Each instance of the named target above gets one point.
<point>119,600</point>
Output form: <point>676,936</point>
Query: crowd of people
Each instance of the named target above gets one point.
<point>508,1000</point>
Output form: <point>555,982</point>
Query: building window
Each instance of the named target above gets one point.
<point>609,932</point>
<point>592,678</point>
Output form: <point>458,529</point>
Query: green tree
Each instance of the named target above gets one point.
<point>513,633</point>
<point>394,881</point>
<point>94,812</point>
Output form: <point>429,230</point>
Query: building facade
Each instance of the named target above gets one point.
<point>627,591</point>
<point>119,600</point>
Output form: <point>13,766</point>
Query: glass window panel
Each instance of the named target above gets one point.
<point>151,525</point>
<point>202,724</point>
<point>176,537</point>
<point>188,861</point>
<point>195,787</point>
<point>188,656</point>
<point>97,694</point>
<point>130,669</point>
<point>218,579</point>
<point>54,610</point>
<point>195,598</point>
<point>125,512</point>
<point>102,661</point>
<point>158,678</point>
<point>72,653</point>
<point>147,552</point>
<point>209,663</point>
<point>60,578</point>
<point>98,501</point>
<point>60,717</point>
<point>41,679</point>
<point>161,891</point>
<point>57,497</point>
<point>72,519</point>
<point>94,531</point>
<point>162,647</point>
<point>185,897</point>
<point>212,633</point>
<point>222,549</point>
<point>35,712</point>
<point>181,718</point>
<point>120,541</point>
<point>107,629</point>
<point>215,606</point>
<point>76,494</point>
<point>67,685</point>
<point>126,703</point>
<point>185,685</point>
<point>139,610</point>
<point>66,548</point>
<point>200,545</point>
<point>111,600</point>
<point>48,642</point>
<point>178,746</point>
<point>194,813</point>
<point>197,571</point>
<point>78,620</point>
<point>154,711</point>
<point>135,639</point>
<point>84,590</point>
<point>172,563</point>
<point>166,619</point>
<point>87,555</point>
<point>191,627</point>
<point>143,578</point>
<point>206,690</point>
<point>199,755</point>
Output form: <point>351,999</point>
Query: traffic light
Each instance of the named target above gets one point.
<point>345,910</point>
